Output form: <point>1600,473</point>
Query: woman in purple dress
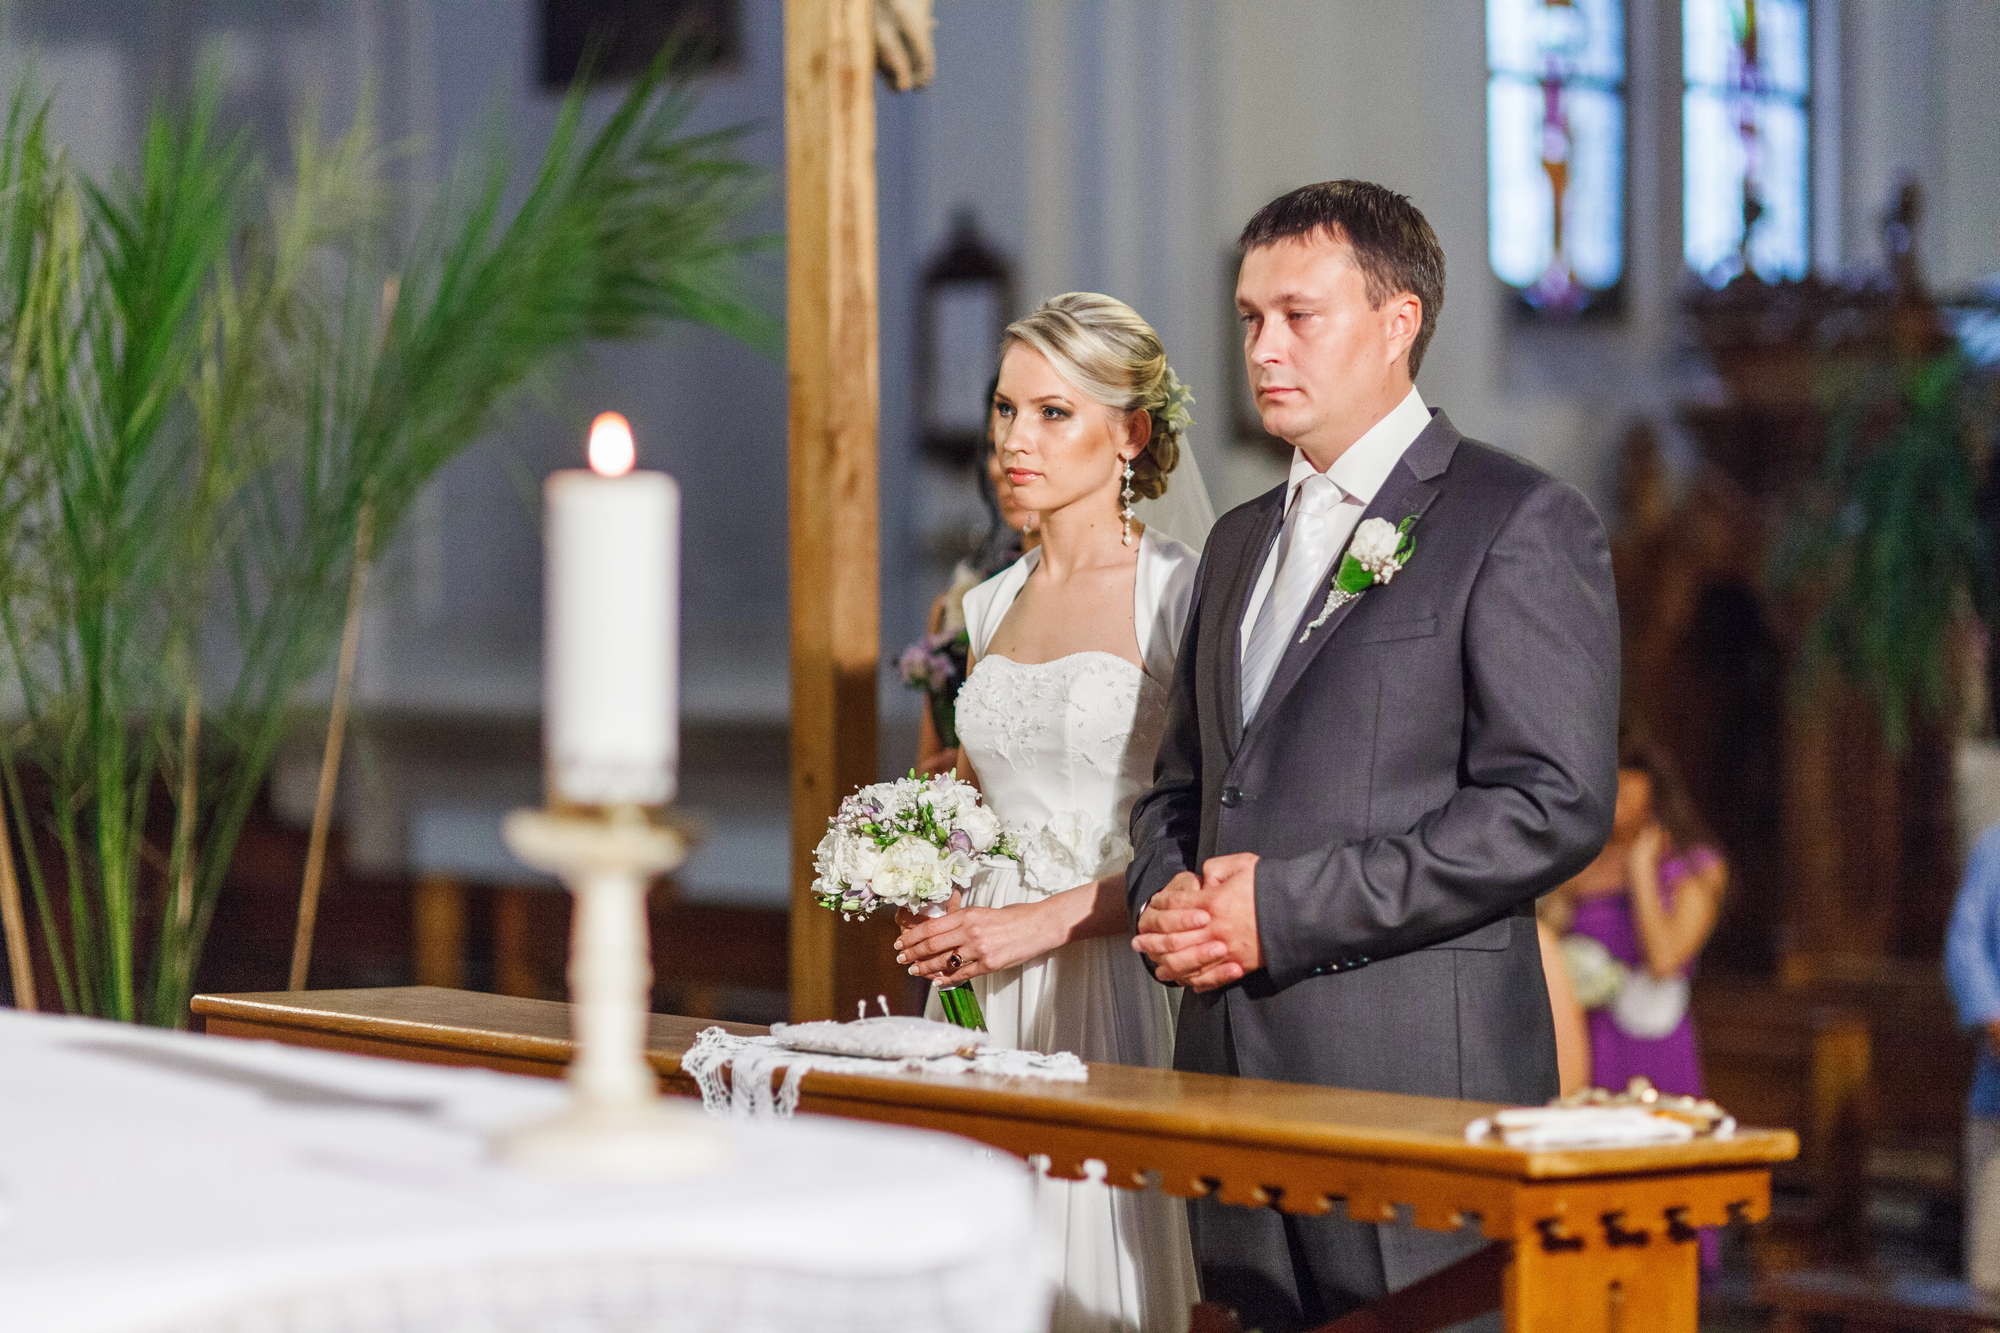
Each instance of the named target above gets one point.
<point>1635,921</point>
<point>1650,900</point>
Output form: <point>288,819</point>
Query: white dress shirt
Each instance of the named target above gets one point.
<point>1359,473</point>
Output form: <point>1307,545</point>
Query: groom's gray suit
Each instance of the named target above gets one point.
<point>1439,753</point>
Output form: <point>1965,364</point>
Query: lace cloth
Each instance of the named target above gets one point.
<point>735,1073</point>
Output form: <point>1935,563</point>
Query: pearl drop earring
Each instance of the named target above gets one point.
<point>1125,504</point>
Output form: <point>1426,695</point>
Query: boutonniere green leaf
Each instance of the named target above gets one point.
<point>1376,554</point>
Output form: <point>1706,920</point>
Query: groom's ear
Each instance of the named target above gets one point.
<point>1405,320</point>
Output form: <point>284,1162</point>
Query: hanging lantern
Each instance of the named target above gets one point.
<point>963,306</point>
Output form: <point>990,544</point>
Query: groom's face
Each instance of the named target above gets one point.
<point>1324,364</point>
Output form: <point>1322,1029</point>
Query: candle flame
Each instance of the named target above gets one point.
<point>612,452</point>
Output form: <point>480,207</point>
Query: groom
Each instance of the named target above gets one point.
<point>1358,798</point>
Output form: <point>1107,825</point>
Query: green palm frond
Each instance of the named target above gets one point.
<point>204,395</point>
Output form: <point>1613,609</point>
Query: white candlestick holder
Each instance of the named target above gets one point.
<point>617,1125</point>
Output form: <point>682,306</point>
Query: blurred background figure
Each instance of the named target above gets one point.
<point>1972,968</point>
<point>935,664</point>
<point>1572,1027</point>
<point>1635,921</point>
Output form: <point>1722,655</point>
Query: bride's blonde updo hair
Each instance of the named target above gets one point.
<point>1109,354</point>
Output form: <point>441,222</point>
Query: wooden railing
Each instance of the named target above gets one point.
<point>1592,1238</point>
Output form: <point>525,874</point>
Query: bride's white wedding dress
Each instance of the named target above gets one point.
<point>1062,749</point>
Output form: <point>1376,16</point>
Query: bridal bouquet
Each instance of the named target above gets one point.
<point>906,843</point>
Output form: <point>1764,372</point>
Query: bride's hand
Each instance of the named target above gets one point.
<point>981,939</point>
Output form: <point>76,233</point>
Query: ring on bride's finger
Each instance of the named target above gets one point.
<point>952,964</point>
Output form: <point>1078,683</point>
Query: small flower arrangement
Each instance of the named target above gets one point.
<point>906,843</point>
<point>935,664</point>
<point>1375,554</point>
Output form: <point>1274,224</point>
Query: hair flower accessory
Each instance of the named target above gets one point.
<point>1375,554</point>
<point>1179,399</point>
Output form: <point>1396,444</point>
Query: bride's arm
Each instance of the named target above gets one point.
<point>1090,910</point>
<point>988,939</point>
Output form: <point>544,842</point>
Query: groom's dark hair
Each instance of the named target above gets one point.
<point>1392,242</point>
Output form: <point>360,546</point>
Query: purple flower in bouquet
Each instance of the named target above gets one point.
<point>935,664</point>
<point>915,665</point>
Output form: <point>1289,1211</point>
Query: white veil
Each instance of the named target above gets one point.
<point>1184,512</point>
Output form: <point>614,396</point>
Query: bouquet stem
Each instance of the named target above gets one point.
<point>961,1006</point>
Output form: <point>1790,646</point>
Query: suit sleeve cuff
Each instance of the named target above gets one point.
<point>1287,957</point>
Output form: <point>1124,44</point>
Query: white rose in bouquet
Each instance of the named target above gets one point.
<point>981,827</point>
<point>913,871</point>
<point>850,861</point>
<point>859,862</point>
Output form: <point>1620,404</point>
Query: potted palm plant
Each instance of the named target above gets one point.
<point>222,390</point>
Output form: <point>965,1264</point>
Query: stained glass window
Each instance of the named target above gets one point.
<point>1555,150</point>
<point>1744,136</point>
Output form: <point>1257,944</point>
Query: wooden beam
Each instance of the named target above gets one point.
<point>833,366</point>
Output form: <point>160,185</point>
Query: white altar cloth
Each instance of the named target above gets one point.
<point>155,1182</point>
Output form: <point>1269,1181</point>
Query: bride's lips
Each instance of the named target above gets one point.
<point>1020,476</point>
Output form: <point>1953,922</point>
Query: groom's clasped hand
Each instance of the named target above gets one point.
<point>1202,932</point>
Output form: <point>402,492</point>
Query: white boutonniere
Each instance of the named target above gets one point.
<point>1376,554</point>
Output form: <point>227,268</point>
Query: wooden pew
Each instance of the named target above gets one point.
<point>1773,1058</point>
<point>1852,1303</point>
<point>1595,1239</point>
<point>1874,1075</point>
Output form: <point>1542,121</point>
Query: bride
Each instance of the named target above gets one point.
<point>1073,646</point>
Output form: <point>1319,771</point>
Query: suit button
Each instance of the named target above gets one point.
<point>1232,797</point>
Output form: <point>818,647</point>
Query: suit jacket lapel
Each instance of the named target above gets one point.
<point>1409,490</point>
<point>1247,571</point>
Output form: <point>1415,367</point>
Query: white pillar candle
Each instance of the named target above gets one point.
<point>611,651</point>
